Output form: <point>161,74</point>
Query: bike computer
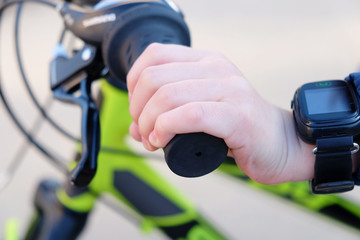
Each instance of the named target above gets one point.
<point>327,114</point>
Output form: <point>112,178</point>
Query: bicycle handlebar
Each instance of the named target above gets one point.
<point>124,30</point>
<point>188,155</point>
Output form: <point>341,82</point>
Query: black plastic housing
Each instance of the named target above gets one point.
<point>335,124</point>
<point>140,26</point>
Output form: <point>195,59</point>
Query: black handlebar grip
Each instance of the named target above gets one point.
<point>188,155</point>
<point>195,154</point>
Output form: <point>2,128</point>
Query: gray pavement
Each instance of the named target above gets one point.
<point>277,44</point>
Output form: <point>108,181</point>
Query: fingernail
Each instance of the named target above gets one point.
<point>153,139</point>
<point>146,144</point>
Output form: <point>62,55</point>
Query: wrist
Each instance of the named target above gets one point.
<point>300,157</point>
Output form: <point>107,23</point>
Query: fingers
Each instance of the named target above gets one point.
<point>171,96</point>
<point>193,117</point>
<point>153,78</point>
<point>145,79</point>
<point>172,79</point>
<point>134,132</point>
<point>158,54</point>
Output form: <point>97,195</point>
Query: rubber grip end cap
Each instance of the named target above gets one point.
<point>195,154</point>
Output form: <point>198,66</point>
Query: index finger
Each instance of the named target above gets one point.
<point>157,54</point>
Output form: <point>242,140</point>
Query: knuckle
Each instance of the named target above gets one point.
<point>169,95</point>
<point>148,77</point>
<point>155,50</point>
<point>222,64</point>
<point>147,74</point>
<point>196,113</point>
<point>153,47</point>
<point>165,94</point>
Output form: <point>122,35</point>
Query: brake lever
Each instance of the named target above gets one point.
<point>65,83</point>
<point>85,169</point>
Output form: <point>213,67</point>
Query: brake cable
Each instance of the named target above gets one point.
<point>27,85</point>
<point>57,160</point>
<point>8,174</point>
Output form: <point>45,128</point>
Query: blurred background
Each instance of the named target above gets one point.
<point>277,44</point>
